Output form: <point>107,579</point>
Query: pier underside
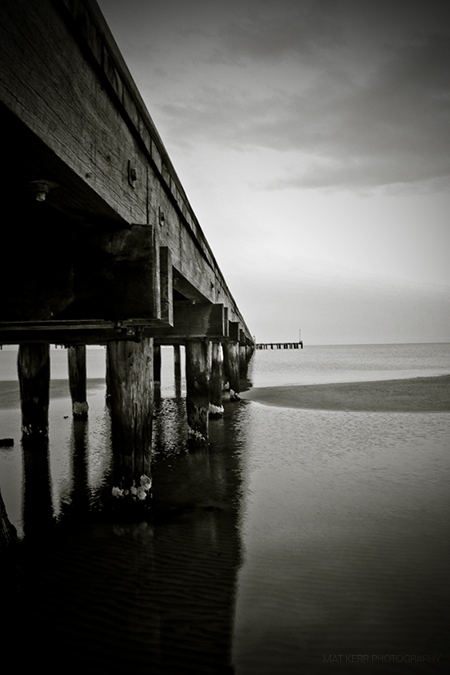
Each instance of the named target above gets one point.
<point>99,242</point>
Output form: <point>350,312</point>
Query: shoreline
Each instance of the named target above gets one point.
<point>418,394</point>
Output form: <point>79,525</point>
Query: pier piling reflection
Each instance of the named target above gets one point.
<point>156,593</point>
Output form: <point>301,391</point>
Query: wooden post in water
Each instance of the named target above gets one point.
<point>198,374</point>
<point>177,369</point>
<point>231,364</point>
<point>76,359</point>
<point>131,390</point>
<point>157,370</point>
<point>33,364</point>
<point>243,361</point>
<point>216,379</point>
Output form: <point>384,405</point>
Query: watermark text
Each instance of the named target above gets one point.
<point>381,658</point>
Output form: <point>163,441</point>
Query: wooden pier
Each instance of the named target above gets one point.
<point>279,345</point>
<point>99,242</point>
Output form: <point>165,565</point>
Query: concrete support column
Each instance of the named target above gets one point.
<point>76,358</point>
<point>198,375</point>
<point>130,367</point>
<point>216,407</point>
<point>33,365</point>
<point>177,369</point>
<point>231,363</point>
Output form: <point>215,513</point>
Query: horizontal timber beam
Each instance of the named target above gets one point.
<point>76,332</point>
<point>194,321</point>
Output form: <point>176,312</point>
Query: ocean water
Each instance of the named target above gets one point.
<point>299,541</point>
<point>349,363</point>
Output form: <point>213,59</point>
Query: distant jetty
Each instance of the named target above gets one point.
<point>279,345</point>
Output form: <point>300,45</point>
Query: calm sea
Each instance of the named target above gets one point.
<point>300,541</point>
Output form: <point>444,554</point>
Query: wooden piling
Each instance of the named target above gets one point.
<point>216,407</point>
<point>198,374</point>
<point>157,370</point>
<point>177,369</point>
<point>130,367</point>
<point>243,362</point>
<point>33,364</point>
<point>76,358</point>
<point>231,364</point>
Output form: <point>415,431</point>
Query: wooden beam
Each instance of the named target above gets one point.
<point>193,321</point>
<point>88,332</point>
<point>116,276</point>
<point>233,331</point>
<point>90,276</point>
<point>166,284</point>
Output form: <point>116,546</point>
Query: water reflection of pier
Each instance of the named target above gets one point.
<point>153,594</point>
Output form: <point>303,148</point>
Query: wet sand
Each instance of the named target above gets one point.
<point>419,394</point>
<point>10,393</point>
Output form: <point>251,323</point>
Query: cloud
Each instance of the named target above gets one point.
<point>384,124</point>
<point>395,129</point>
<point>278,31</point>
<point>349,95</point>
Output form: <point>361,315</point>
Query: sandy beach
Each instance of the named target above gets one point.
<point>10,393</point>
<point>419,394</point>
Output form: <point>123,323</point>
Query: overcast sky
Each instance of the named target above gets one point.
<point>313,141</point>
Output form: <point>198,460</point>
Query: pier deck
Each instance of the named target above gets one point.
<point>279,345</point>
